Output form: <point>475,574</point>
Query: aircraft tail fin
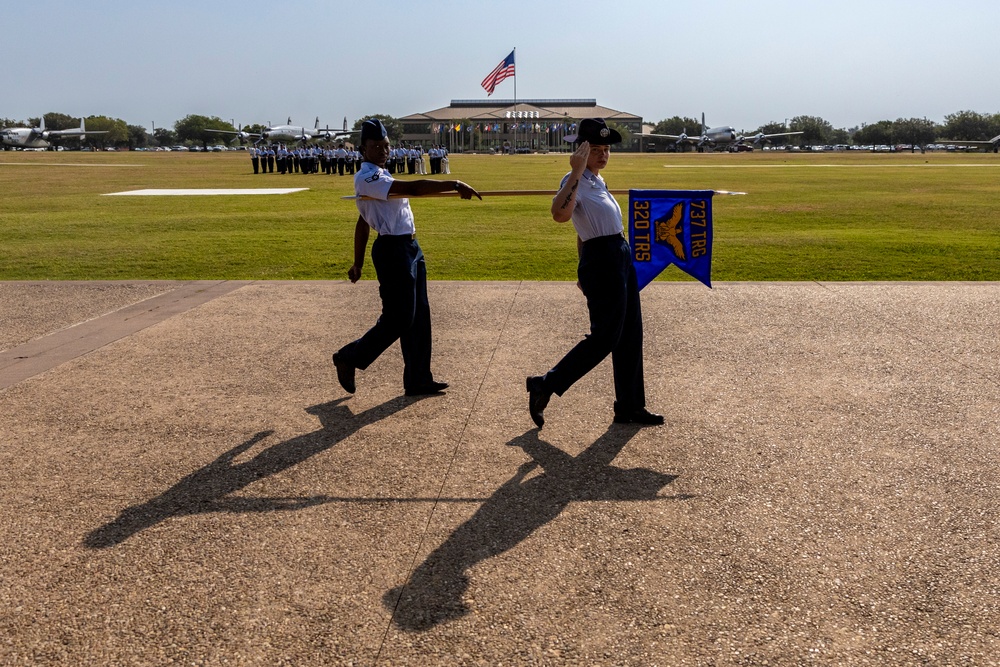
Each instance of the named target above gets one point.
<point>703,126</point>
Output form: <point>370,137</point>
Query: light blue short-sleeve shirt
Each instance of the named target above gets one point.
<point>596,212</point>
<point>386,216</point>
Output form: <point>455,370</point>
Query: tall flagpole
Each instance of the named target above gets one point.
<point>515,100</point>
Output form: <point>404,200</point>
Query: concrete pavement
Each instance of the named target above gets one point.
<point>183,480</point>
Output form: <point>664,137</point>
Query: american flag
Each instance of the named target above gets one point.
<point>499,73</point>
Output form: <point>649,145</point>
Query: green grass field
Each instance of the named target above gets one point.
<point>817,216</point>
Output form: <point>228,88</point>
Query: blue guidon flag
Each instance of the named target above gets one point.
<point>670,227</point>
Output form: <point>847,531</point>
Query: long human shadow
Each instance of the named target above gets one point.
<point>433,593</point>
<point>207,489</point>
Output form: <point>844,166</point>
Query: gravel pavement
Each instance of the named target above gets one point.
<point>183,480</point>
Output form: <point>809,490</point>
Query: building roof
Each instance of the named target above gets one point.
<point>541,109</point>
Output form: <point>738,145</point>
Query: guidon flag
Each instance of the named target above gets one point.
<point>670,227</point>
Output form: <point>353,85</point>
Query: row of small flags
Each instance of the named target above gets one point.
<point>438,128</point>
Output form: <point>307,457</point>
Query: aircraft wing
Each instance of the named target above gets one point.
<point>992,142</point>
<point>760,137</point>
<point>674,137</point>
<point>336,133</point>
<point>74,132</point>
<point>42,133</point>
<point>245,134</point>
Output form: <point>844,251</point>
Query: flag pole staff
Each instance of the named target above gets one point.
<point>515,99</point>
<point>512,193</point>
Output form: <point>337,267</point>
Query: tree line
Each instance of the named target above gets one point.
<point>194,129</point>
<point>960,126</point>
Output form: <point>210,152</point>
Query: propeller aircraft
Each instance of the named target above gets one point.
<point>724,135</point>
<point>39,137</point>
<point>288,133</point>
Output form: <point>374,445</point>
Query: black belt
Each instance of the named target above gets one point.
<point>399,236</point>
<point>610,238</point>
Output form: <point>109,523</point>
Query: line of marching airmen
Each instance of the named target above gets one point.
<point>268,158</point>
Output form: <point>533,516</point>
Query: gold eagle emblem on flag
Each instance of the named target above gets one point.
<point>670,230</point>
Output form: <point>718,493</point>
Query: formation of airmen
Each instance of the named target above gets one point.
<point>403,159</point>
<point>267,159</point>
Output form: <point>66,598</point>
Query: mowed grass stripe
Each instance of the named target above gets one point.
<point>882,220</point>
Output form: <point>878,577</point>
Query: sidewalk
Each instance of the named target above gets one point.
<point>184,480</point>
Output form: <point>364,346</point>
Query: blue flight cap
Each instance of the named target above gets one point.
<point>373,129</point>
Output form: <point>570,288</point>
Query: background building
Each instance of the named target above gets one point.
<point>523,125</point>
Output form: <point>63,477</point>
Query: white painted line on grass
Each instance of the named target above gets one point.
<point>65,164</point>
<point>208,191</point>
<point>823,166</point>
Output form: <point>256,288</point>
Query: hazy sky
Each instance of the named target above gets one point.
<point>741,63</point>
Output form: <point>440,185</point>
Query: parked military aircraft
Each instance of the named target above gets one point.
<point>288,133</point>
<point>39,137</point>
<point>724,135</point>
<point>758,140</point>
<point>994,143</point>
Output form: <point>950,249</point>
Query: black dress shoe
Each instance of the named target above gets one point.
<point>429,389</point>
<point>640,416</point>
<point>538,398</point>
<point>345,373</point>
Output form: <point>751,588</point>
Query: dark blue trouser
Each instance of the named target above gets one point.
<point>607,278</point>
<point>406,312</point>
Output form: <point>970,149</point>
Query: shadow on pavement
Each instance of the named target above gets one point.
<point>206,489</point>
<point>433,594</point>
